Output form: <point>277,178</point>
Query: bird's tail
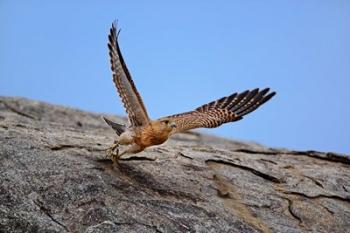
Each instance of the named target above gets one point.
<point>118,128</point>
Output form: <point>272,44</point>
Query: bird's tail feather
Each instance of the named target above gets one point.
<point>118,128</point>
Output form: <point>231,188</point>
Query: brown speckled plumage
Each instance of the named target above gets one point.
<point>122,79</point>
<point>227,109</point>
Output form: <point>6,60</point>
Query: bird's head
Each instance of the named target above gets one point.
<point>165,125</point>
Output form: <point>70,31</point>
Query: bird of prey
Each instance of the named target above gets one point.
<point>142,132</point>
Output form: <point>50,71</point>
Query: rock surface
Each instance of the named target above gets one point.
<point>55,178</point>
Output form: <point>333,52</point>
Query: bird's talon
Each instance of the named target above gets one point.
<point>113,152</point>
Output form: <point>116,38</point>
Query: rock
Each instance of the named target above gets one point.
<point>55,178</point>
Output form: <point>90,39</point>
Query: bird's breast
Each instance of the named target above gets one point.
<point>149,137</point>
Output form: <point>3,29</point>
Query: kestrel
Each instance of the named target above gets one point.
<point>142,132</point>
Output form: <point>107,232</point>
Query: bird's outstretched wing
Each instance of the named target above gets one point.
<point>227,109</point>
<point>131,99</point>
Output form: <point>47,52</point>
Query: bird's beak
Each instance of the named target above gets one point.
<point>173,125</point>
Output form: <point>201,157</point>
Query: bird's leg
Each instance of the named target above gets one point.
<point>113,151</point>
<point>133,149</point>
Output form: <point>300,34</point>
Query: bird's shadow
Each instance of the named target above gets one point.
<point>130,171</point>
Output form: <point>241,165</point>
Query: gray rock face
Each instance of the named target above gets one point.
<point>55,178</point>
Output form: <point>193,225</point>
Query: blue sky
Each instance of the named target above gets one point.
<point>183,54</point>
